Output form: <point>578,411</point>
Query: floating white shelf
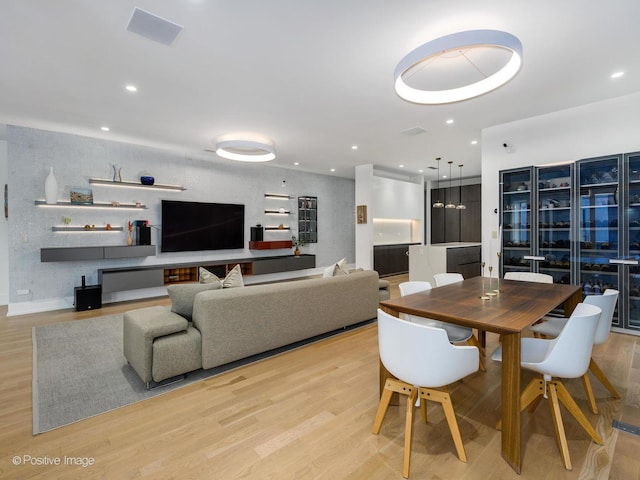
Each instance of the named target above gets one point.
<point>83,229</point>
<point>123,206</point>
<point>126,184</point>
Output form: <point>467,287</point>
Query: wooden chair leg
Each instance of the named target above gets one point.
<point>561,436</point>
<point>382,410</point>
<point>595,369</point>
<point>423,409</point>
<point>570,404</point>
<point>586,382</point>
<point>442,396</point>
<point>408,431</point>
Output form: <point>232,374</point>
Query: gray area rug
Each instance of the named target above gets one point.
<point>79,371</point>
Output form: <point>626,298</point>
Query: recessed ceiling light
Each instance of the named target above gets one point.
<point>401,166</point>
<point>104,129</point>
<point>617,74</point>
<point>296,163</point>
<point>450,121</point>
<point>474,142</point>
<point>420,171</point>
<point>333,170</point>
<point>131,88</point>
<point>354,147</point>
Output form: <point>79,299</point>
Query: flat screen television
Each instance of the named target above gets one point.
<point>192,226</point>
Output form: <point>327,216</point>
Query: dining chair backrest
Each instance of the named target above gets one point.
<point>529,277</point>
<point>413,286</point>
<point>567,355</point>
<point>422,355</point>
<point>607,303</point>
<point>447,278</point>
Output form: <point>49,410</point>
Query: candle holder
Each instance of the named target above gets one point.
<point>483,297</point>
<point>490,292</point>
<point>497,290</point>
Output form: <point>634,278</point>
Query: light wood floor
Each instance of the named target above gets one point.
<point>307,414</point>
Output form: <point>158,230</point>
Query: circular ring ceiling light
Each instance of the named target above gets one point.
<point>457,41</point>
<point>246,150</point>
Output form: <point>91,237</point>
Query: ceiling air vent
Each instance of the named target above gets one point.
<point>412,132</point>
<point>153,27</point>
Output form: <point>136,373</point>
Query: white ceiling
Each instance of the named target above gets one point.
<point>316,76</point>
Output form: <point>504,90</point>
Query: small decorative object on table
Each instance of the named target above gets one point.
<point>483,296</point>
<point>296,243</point>
<point>147,180</point>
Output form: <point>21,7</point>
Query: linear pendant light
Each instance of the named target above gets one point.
<point>450,204</point>
<point>460,206</point>
<point>438,204</point>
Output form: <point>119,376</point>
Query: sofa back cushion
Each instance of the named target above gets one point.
<point>182,296</point>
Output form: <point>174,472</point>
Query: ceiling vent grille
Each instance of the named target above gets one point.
<point>412,132</point>
<point>153,27</point>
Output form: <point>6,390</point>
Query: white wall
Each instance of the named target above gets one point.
<point>76,159</point>
<point>4,229</point>
<point>593,130</point>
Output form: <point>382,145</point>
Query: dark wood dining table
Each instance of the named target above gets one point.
<point>517,306</point>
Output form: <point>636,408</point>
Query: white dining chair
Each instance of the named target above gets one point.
<point>566,356</point>
<point>443,279</point>
<point>423,363</point>
<point>455,333</point>
<point>529,277</point>
<point>552,326</point>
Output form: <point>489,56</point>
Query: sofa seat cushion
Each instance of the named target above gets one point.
<point>176,354</point>
<point>140,328</point>
<point>384,290</point>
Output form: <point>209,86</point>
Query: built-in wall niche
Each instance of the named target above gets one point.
<point>390,231</point>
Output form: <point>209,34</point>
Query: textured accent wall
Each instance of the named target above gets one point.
<point>76,159</point>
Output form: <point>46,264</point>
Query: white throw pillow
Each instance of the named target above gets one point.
<point>207,277</point>
<point>338,268</point>
<point>233,278</point>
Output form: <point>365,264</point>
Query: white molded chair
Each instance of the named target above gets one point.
<point>529,277</point>
<point>552,326</point>
<point>447,278</point>
<point>566,356</point>
<point>424,364</point>
<point>455,333</point>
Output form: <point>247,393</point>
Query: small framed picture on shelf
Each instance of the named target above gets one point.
<point>81,196</point>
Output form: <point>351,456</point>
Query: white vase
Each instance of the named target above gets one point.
<point>51,188</point>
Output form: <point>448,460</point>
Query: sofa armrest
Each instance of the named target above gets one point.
<point>140,328</point>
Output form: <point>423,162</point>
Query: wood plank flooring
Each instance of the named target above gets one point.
<point>307,414</point>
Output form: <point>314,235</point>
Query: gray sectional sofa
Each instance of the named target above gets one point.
<point>234,323</point>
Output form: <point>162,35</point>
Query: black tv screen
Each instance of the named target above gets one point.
<point>192,226</point>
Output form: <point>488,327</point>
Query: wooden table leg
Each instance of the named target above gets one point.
<point>511,447</point>
<point>571,303</point>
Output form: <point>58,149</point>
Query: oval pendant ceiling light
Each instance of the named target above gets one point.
<point>243,150</point>
<point>458,42</point>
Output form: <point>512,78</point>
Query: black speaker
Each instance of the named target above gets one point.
<point>88,297</point>
<point>143,235</point>
<point>257,233</point>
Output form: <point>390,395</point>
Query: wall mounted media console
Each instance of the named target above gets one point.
<point>131,278</point>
